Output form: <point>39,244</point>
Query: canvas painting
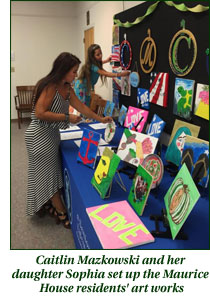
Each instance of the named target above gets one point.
<point>136,118</point>
<point>116,97</point>
<point>135,146</point>
<point>88,148</point>
<point>73,111</point>
<point>202,101</point>
<point>143,98</point>
<point>183,96</point>
<point>158,91</point>
<point>196,157</point>
<point>105,171</point>
<point>118,226</point>
<point>177,140</point>
<point>125,86</point>
<point>156,126</point>
<point>108,110</point>
<point>115,56</point>
<point>116,81</point>
<point>122,114</point>
<point>154,165</point>
<point>140,189</point>
<point>180,200</point>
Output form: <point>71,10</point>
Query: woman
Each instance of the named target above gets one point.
<point>53,95</point>
<point>90,72</point>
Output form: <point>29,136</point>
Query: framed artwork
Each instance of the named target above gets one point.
<point>196,157</point>
<point>109,132</point>
<point>136,118</point>
<point>154,165</point>
<point>108,110</point>
<point>88,148</point>
<point>158,91</point>
<point>143,98</point>
<point>180,200</point>
<point>135,146</point>
<point>105,171</point>
<point>122,114</point>
<point>156,126</point>
<point>125,86</point>
<point>116,97</point>
<point>118,226</point>
<point>115,53</point>
<point>177,140</point>
<point>140,189</point>
<point>202,101</point>
<point>183,95</point>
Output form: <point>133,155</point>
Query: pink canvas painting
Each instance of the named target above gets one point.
<point>118,226</point>
<point>136,118</point>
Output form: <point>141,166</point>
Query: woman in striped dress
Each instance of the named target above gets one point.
<point>53,95</point>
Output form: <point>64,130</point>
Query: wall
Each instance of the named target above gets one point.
<point>40,30</point>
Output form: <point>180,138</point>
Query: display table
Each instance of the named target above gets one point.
<point>80,194</point>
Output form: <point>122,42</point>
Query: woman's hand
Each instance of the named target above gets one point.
<point>124,73</point>
<point>106,120</point>
<point>74,119</point>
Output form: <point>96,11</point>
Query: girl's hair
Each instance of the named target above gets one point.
<point>61,66</point>
<point>85,72</point>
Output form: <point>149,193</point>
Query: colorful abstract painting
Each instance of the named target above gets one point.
<point>118,226</point>
<point>122,114</point>
<point>136,118</point>
<point>154,165</point>
<point>196,157</point>
<point>88,148</point>
<point>180,200</point>
<point>125,86</point>
<point>158,91</point>
<point>105,171</point>
<point>183,95</point>
<point>143,98</point>
<point>108,110</point>
<point>116,97</point>
<point>177,140</point>
<point>135,146</point>
<point>140,189</point>
<point>202,101</point>
<point>156,126</point>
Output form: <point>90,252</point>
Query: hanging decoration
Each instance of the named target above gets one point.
<point>187,35</point>
<point>148,53</point>
<point>134,77</point>
<point>181,7</point>
<point>125,46</point>
<point>207,59</point>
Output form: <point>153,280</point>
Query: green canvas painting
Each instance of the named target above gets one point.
<point>105,171</point>
<point>140,189</point>
<point>180,200</point>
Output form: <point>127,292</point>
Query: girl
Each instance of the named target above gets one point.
<point>90,72</point>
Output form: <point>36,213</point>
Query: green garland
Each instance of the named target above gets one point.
<point>182,7</point>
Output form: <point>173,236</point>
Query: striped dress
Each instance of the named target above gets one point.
<point>44,162</point>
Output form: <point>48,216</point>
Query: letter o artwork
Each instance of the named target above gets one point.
<point>148,53</point>
<point>180,36</point>
<point>125,46</point>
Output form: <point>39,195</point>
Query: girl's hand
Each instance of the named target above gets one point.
<point>124,73</point>
<point>106,120</point>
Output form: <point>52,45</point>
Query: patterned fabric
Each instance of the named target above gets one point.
<point>44,163</point>
<point>80,87</point>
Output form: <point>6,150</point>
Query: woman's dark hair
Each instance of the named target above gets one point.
<point>61,66</point>
<point>86,68</point>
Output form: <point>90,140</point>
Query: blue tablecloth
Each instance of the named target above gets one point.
<point>77,178</point>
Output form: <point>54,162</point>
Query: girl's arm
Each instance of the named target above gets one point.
<point>107,60</point>
<point>112,75</point>
<point>43,104</point>
<point>85,110</point>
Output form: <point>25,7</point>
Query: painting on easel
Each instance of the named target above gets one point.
<point>105,172</point>
<point>180,200</point>
<point>202,101</point>
<point>196,157</point>
<point>136,118</point>
<point>140,189</point>
<point>177,140</point>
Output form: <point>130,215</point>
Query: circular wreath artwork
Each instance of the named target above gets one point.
<point>180,36</point>
<point>125,46</point>
<point>134,79</point>
<point>109,132</point>
<point>154,165</point>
